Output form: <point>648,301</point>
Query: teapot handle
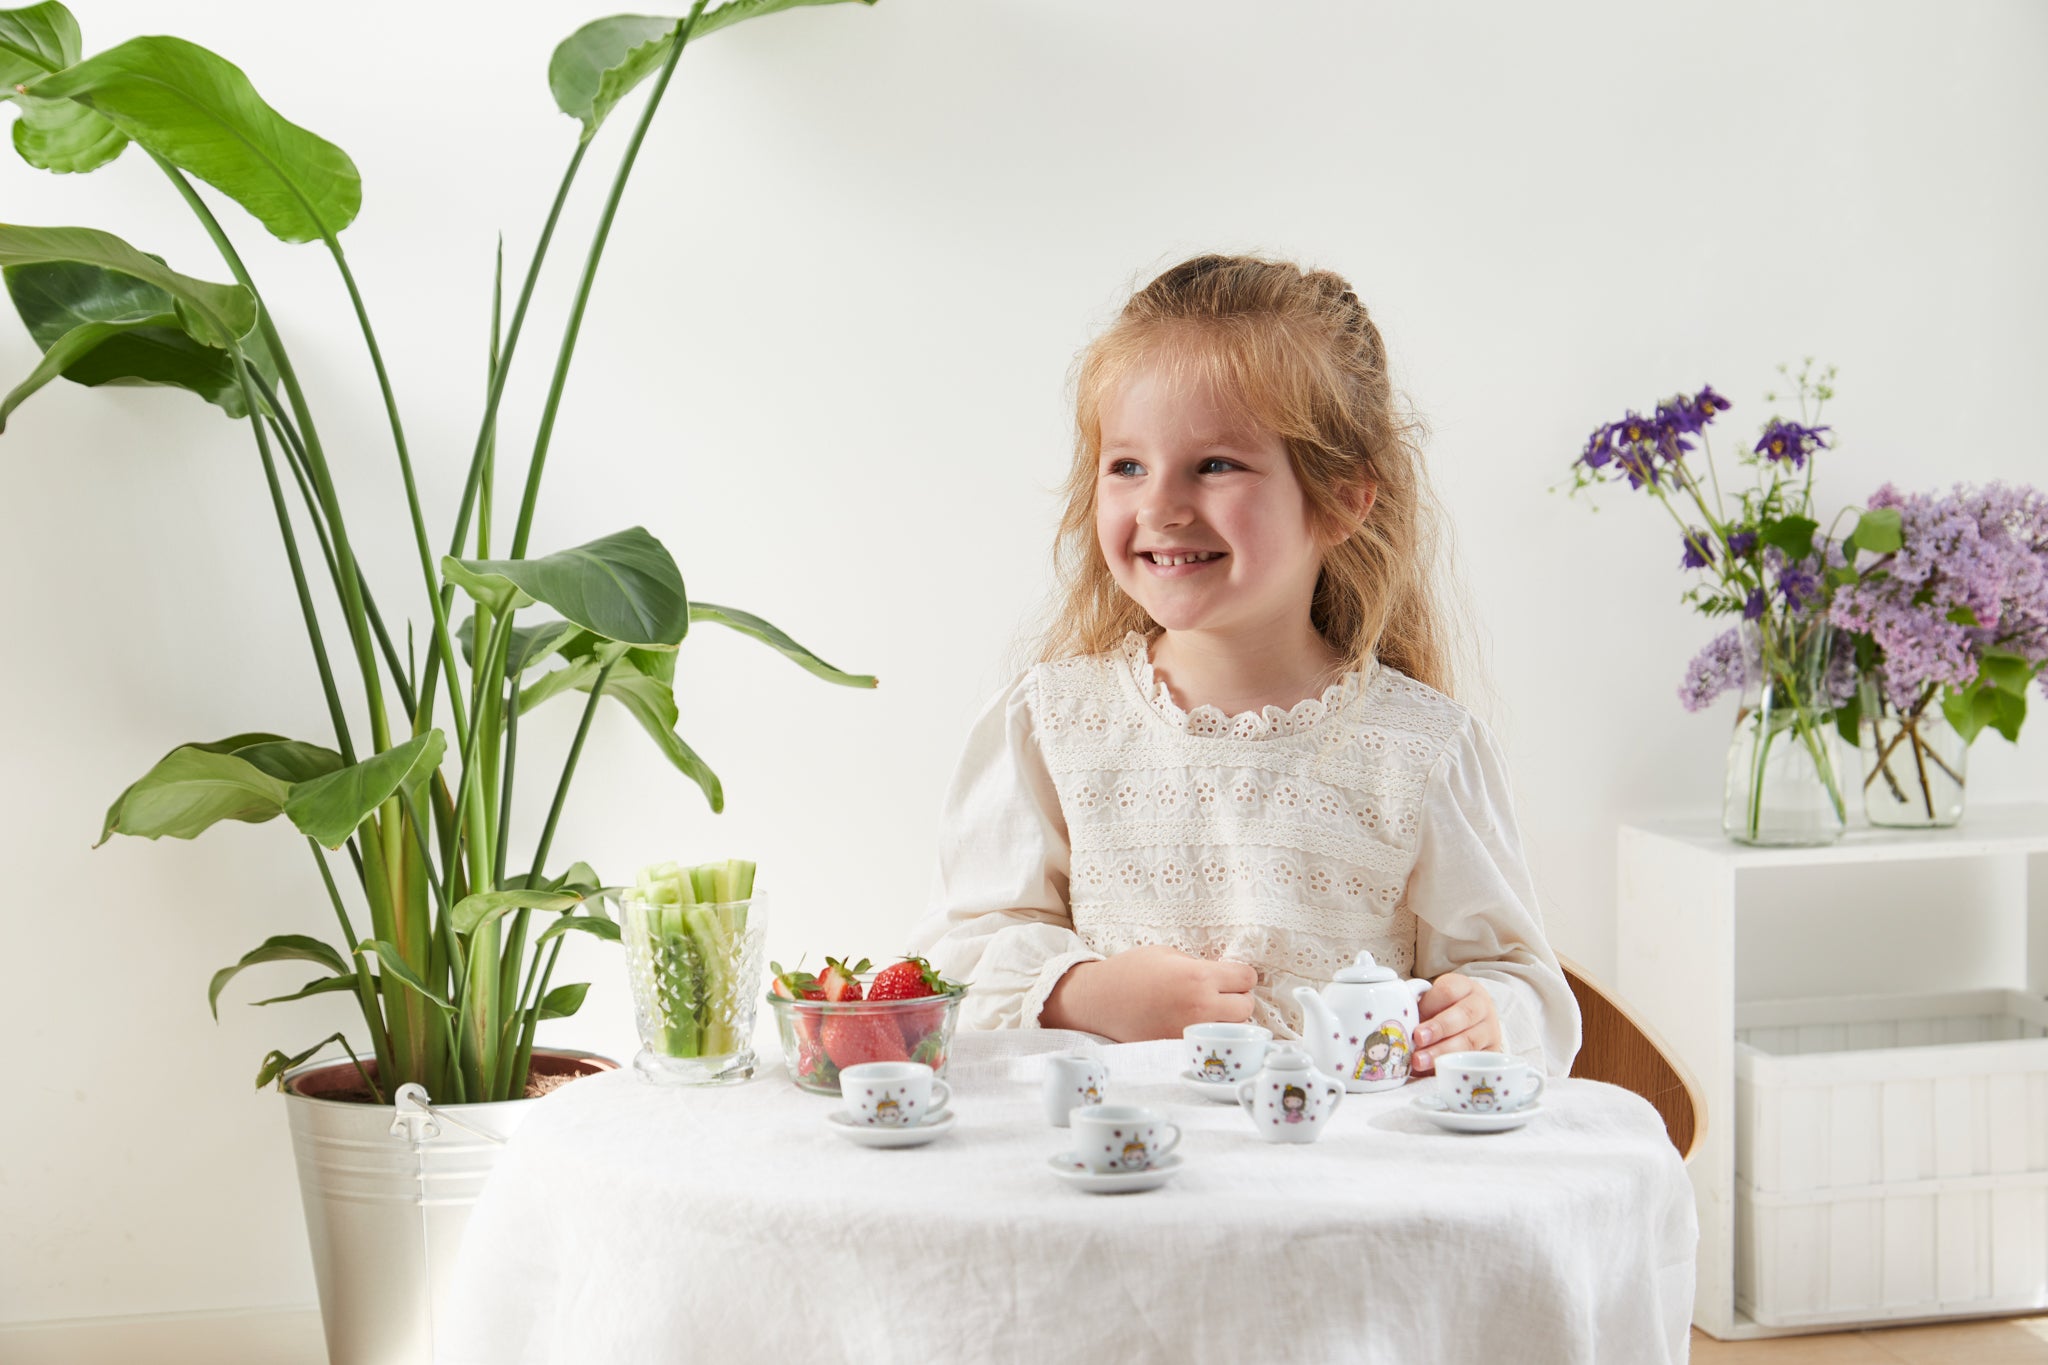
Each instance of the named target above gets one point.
<point>1418,986</point>
<point>1336,1093</point>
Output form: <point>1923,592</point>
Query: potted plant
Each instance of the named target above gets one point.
<point>449,928</point>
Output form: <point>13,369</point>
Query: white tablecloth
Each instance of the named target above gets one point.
<point>633,1223</point>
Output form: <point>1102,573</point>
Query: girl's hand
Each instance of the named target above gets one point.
<point>1457,1016</point>
<point>1149,992</point>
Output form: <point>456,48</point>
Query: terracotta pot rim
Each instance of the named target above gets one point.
<point>565,1060</point>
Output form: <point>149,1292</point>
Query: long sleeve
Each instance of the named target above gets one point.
<point>1476,907</point>
<point>999,917</point>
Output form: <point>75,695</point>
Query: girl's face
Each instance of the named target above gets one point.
<point>1180,473</point>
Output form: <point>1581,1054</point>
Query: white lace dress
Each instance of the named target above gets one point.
<point>1091,814</point>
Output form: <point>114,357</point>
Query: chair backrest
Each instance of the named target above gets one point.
<point>1618,1048</point>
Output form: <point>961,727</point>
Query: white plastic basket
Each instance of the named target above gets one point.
<point>1891,1157</point>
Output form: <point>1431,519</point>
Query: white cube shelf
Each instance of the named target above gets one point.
<point>1891,1157</point>
<point>1815,1226</point>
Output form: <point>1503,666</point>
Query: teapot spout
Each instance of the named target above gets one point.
<point>1318,1025</point>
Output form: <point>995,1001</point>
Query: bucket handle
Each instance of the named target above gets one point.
<point>417,1120</point>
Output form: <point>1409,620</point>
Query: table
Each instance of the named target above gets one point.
<point>628,1222</point>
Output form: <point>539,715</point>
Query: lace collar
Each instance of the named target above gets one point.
<point>1269,723</point>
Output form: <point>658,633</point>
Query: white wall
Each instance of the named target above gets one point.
<point>826,364</point>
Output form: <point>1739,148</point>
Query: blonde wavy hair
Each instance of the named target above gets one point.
<point>1294,351</point>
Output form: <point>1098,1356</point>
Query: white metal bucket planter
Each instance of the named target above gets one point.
<point>388,1190</point>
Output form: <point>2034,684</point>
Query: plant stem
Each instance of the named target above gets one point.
<point>547,833</point>
<point>351,596</point>
<point>428,568</point>
<point>291,552</point>
<point>295,457</point>
<point>531,498</point>
<point>486,437</point>
<point>366,988</point>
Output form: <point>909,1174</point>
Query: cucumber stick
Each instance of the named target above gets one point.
<point>696,928</point>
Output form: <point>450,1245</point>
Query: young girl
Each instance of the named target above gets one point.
<point>1236,764</point>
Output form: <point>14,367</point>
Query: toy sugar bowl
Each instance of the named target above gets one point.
<point>1289,1100</point>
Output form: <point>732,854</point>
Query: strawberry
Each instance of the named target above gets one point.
<point>801,985</point>
<point>856,1037</point>
<point>913,979</point>
<point>837,980</point>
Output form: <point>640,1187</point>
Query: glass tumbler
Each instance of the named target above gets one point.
<point>696,972</point>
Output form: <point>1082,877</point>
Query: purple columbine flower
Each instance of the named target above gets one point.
<point>1634,429</point>
<point>1740,543</point>
<point>1754,607</point>
<point>1708,404</point>
<point>1798,585</point>
<point>1599,446</point>
<point>1790,441</point>
<point>1699,549</point>
<point>1638,464</point>
<point>1677,414</point>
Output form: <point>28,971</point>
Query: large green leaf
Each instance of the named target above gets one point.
<point>323,985</point>
<point>281,948</point>
<point>199,112</point>
<point>329,808</point>
<point>115,329</point>
<point>219,314</point>
<point>276,1063</point>
<point>597,65</point>
<point>35,41</point>
<point>196,786</point>
<point>652,702</point>
<point>623,587</point>
<point>775,638</point>
<point>53,135</point>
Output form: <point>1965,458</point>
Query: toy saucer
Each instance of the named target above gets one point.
<point>1460,1121</point>
<point>1075,1172</point>
<point>1223,1092</point>
<point>914,1135</point>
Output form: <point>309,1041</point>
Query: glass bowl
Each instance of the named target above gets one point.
<point>816,1032</point>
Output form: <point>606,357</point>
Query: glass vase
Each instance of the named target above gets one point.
<point>1914,762</point>
<point>696,972</point>
<point>1783,784</point>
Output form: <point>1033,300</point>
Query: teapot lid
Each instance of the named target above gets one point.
<point>1365,969</point>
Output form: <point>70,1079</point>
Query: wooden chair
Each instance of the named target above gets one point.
<point>1618,1048</point>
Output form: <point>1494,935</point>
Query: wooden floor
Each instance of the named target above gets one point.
<point>1999,1341</point>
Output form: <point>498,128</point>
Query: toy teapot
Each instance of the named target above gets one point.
<point>1360,1028</point>
<point>1287,1101</point>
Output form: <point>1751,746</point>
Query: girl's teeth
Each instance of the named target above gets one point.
<point>1170,561</point>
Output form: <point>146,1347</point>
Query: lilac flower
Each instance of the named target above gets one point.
<point>1714,670</point>
<point>1971,573</point>
<point>1740,543</point>
<point>1790,441</point>
<point>1699,549</point>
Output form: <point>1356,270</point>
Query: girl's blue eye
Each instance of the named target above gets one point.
<point>1117,467</point>
<point>1217,459</point>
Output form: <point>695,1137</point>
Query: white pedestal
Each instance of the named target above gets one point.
<point>1679,888</point>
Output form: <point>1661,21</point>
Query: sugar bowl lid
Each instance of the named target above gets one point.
<point>1364,969</point>
<point>1287,1059</point>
